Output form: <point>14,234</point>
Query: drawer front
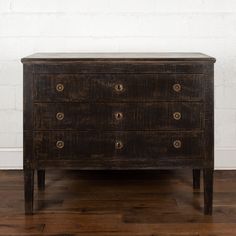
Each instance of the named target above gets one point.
<point>119,116</point>
<point>88,145</point>
<point>118,87</point>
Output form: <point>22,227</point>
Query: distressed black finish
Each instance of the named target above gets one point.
<point>196,178</point>
<point>136,145</point>
<point>101,87</point>
<point>119,116</point>
<point>41,179</point>
<point>118,111</point>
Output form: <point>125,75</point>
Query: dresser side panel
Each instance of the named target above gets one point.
<point>28,116</point>
<point>209,116</point>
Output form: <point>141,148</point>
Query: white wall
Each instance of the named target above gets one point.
<point>28,26</point>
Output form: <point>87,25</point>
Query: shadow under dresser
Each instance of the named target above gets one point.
<point>119,111</point>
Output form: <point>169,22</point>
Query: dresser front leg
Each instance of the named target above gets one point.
<point>196,178</point>
<point>29,190</point>
<point>41,179</point>
<point>208,191</point>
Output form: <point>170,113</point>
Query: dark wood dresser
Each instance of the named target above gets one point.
<point>118,111</point>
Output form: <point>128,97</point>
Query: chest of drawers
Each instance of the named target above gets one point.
<point>118,111</point>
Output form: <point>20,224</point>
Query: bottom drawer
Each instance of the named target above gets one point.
<point>130,145</point>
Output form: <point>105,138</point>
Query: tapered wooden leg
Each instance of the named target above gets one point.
<point>29,190</point>
<point>41,179</point>
<point>208,191</point>
<point>196,178</point>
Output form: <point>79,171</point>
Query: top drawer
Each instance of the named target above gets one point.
<point>118,87</point>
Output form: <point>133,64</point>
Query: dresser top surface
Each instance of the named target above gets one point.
<point>118,56</point>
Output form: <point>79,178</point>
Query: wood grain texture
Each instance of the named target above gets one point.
<point>119,116</point>
<point>208,190</point>
<point>41,179</point>
<point>101,87</point>
<point>29,190</point>
<point>71,104</point>
<point>117,67</point>
<point>209,141</point>
<point>118,203</point>
<point>196,178</point>
<point>28,157</point>
<point>101,145</point>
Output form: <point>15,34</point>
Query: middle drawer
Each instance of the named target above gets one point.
<point>118,116</point>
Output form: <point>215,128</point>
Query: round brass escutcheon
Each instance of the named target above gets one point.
<point>119,145</point>
<point>60,144</point>
<point>177,115</point>
<point>177,87</point>
<point>177,144</point>
<point>60,116</point>
<point>118,115</point>
<point>60,87</point>
<point>119,88</point>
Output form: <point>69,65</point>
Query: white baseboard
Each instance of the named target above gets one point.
<point>225,159</point>
<point>12,158</point>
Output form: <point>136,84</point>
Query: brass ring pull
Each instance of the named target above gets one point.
<point>60,87</point>
<point>177,87</point>
<point>118,115</point>
<point>60,116</point>
<point>177,144</point>
<point>177,115</point>
<point>119,145</point>
<point>60,144</point>
<point>119,88</point>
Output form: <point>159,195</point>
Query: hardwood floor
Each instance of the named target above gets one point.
<point>149,203</point>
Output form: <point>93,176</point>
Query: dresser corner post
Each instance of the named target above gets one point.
<point>208,171</point>
<point>28,154</point>
<point>208,190</point>
<point>41,179</point>
<point>29,190</point>
<point>196,178</point>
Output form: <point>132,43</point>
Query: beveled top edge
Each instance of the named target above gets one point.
<point>162,56</point>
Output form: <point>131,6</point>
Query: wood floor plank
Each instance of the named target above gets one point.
<point>130,203</point>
